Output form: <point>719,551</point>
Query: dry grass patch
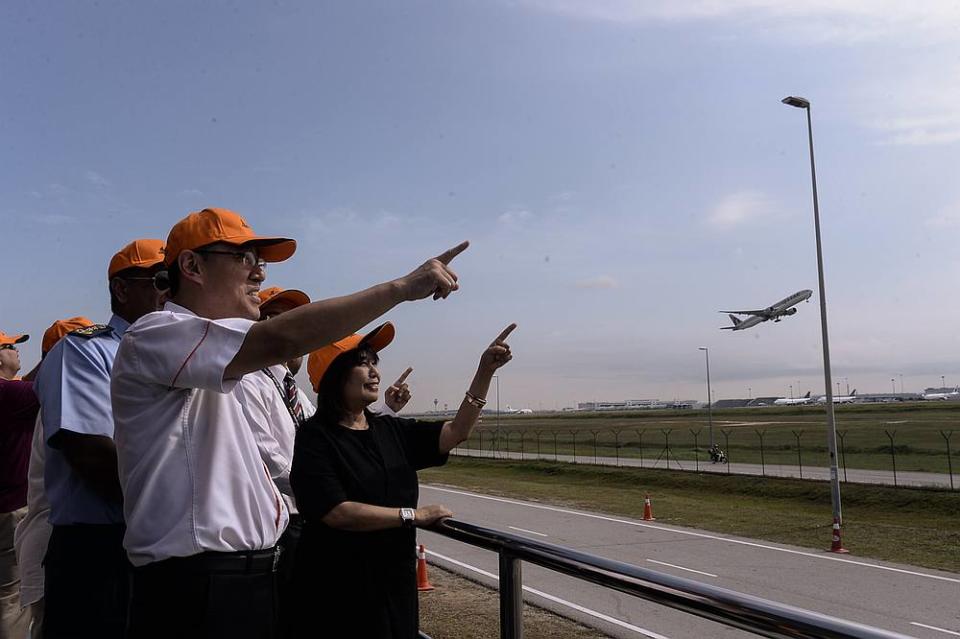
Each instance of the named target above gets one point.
<point>463,609</point>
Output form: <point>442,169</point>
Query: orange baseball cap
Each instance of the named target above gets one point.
<point>12,339</point>
<point>221,225</point>
<point>136,254</point>
<point>275,293</point>
<point>320,360</point>
<point>60,328</point>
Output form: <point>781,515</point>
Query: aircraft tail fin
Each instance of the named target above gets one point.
<point>807,396</point>
<point>853,393</point>
<point>736,322</point>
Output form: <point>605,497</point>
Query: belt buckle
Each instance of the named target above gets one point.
<point>276,557</point>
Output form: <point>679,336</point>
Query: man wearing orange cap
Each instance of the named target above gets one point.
<point>198,499</point>
<point>18,406</point>
<point>86,573</point>
<point>33,531</point>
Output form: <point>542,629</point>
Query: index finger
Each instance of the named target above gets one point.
<point>403,377</point>
<point>447,256</point>
<point>503,335</point>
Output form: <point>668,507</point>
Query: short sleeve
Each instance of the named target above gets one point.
<point>316,485</point>
<point>420,441</point>
<point>184,351</point>
<point>73,385</point>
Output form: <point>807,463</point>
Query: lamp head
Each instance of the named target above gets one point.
<point>796,101</point>
<point>702,348</point>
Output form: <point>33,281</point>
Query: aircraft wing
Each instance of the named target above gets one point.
<point>754,312</point>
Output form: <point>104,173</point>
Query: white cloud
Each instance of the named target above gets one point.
<point>948,217</point>
<point>96,179</point>
<point>921,111</point>
<point>601,281</point>
<point>842,21</point>
<point>740,208</point>
<point>515,216</point>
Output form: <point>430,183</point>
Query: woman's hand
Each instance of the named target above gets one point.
<point>429,515</point>
<point>498,353</point>
<point>398,394</point>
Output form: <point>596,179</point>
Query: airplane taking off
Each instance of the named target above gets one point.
<point>790,401</point>
<point>776,312</point>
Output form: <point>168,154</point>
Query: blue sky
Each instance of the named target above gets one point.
<point>623,170</point>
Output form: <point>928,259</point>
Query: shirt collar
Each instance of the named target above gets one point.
<point>176,308</point>
<point>118,324</point>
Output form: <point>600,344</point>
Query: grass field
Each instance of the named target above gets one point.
<point>917,431</point>
<point>905,525</point>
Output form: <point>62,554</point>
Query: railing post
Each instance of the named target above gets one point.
<point>511,597</point>
<point>946,437</point>
<point>696,446</point>
<point>726,443</point>
<point>843,452</point>
<point>763,466</point>
<point>798,435</point>
<point>893,454</point>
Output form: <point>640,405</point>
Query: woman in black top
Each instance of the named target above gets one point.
<point>354,477</point>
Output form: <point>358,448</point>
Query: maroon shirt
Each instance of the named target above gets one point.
<point>18,415</point>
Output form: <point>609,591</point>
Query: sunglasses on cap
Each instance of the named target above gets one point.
<point>8,347</point>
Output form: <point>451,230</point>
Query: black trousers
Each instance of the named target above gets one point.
<point>206,596</point>
<point>286,603</point>
<point>86,582</point>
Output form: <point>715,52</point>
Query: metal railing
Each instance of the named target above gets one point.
<point>753,614</point>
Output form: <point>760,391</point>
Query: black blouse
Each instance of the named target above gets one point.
<point>364,577</point>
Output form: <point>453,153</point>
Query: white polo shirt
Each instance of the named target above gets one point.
<point>192,475</point>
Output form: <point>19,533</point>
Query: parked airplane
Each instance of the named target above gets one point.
<point>776,312</point>
<point>839,399</point>
<point>790,401</point>
<point>943,396</point>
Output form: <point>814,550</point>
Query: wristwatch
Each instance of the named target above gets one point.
<point>407,517</point>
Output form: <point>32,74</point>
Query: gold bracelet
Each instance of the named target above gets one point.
<point>476,401</point>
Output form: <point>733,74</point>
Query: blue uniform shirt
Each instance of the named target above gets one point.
<point>73,385</point>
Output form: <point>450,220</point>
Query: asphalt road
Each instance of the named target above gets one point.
<point>912,601</point>
<point>855,475</point>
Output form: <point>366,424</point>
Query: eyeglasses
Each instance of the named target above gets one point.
<point>8,347</point>
<point>160,280</point>
<point>248,258</point>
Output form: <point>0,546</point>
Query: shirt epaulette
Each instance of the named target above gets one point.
<point>92,331</point>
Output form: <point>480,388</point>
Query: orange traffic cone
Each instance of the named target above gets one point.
<point>836,544</point>
<point>647,509</point>
<point>423,581</point>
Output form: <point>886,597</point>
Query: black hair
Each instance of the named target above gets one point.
<point>173,277</point>
<point>330,404</point>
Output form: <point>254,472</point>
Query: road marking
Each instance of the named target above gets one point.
<point>923,625</point>
<point>555,599</point>
<point>699,572</point>
<point>693,534</point>
<point>532,532</point>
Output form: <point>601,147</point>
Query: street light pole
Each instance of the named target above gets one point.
<point>709,396</point>
<point>803,103</point>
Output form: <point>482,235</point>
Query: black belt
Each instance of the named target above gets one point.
<point>243,562</point>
